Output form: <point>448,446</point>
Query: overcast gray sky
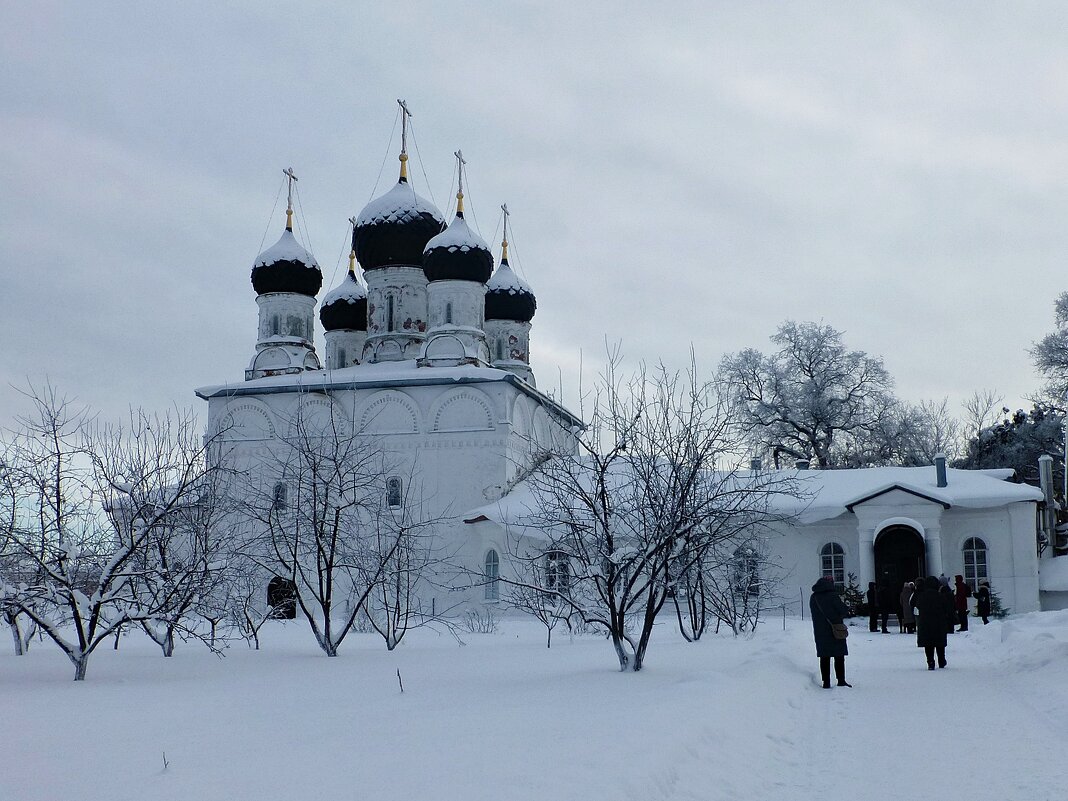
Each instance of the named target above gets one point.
<point>678,173</point>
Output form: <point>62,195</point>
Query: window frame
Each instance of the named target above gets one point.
<point>979,567</point>
<point>832,563</point>
<point>492,572</point>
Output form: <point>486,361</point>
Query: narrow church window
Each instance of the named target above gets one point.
<point>974,562</point>
<point>448,314</point>
<point>280,493</point>
<point>274,325</point>
<point>295,326</point>
<point>493,573</point>
<point>393,491</point>
<point>832,563</point>
<point>389,313</point>
<point>341,357</point>
<point>500,349</point>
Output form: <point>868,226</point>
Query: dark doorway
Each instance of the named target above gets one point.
<point>899,556</point>
<point>282,598</point>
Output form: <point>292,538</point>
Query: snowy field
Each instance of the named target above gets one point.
<point>504,718</point>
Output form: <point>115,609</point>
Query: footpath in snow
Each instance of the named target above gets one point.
<point>503,717</point>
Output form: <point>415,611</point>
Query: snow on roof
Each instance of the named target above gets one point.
<point>349,290</point>
<point>399,372</point>
<point>399,205</point>
<point>825,494</point>
<point>287,248</point>
<point>836,491</point>
<point>1053,574</point>
<point>458,236</point>
<point>505,280</point>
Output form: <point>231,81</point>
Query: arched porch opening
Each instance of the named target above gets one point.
<point>900,556</point>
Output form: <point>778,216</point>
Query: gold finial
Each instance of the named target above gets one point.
<point>405,115</point>
<point>352,252</point>
<point>460,182</point>
<point>289,202</point>
<point>504,241</point>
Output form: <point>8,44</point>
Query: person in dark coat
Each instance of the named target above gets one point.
<point>982,601</point>
<point>949,605</point>
<point>961,593</point>
<point>872,598</point>
<point>827,608</point>
<point>930,622</point>
<point>908,620</point>
<point>886,604</point>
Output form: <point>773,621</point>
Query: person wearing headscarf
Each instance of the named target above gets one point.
<point>982,601</point>
<point>828,608</point>
<point>961,593</point>
<point>908,619</point>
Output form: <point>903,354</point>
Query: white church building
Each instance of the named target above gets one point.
<point>429,352</point>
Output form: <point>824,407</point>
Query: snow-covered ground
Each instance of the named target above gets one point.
<point>504,718</point>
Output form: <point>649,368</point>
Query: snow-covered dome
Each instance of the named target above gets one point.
<point>286,267</point>
<point>458,254</point>
<point>394,228</point>
<point>345,306</point>
<point>509,297</point>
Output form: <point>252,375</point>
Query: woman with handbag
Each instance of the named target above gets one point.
<point>829,630</point>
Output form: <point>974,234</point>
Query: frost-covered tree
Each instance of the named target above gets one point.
<point>626,506</point>
<point>810,398</point>
<point>77,571</point>
<point>1050,353</point>
<point>1017,440</point>
<point>328,519</point>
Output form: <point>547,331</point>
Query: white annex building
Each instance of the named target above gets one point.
<point>431,355</point>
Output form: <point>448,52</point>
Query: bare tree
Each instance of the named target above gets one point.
<point>981,411</point>
<point>539,598</point>
<point>181,557</point>
<point>625,507</point>
<point>740,582</point>
<point>810,396</point>
<point>328,524</point>
<point>414,562</point>
<point>80,569</point>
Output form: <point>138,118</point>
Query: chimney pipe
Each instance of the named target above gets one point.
<point>940,469</point>
<point>802,464</point>
<point>1049,515</point>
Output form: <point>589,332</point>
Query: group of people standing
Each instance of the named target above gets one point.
<point>926,607</point>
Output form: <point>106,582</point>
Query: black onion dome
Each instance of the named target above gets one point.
<point>286,267</point>
<point>345,306</point>
<point>394,228</point>
<point>509,297</point>
<point>458,254</point>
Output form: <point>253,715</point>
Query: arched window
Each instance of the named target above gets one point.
<point>557,571</point>
<point>493,574</point>
<point>745,572</point>
<point>832,563</point>
<point>282,598</point>
<point>390,322</point>
<point>274,325</point>
<point>280,500</point>
<point>448,314</point>
<point>295,326</point>
<point>394,489</point>
<point>974,562</point>
<point>341,357</point>
<point>500,349</point>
